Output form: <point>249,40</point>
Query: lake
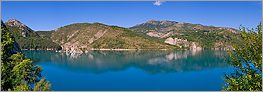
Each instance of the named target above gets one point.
<point>133,70</point>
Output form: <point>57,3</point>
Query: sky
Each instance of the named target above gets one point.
<point>49,15</point>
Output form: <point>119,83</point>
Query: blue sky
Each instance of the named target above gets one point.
<point>52,15</point>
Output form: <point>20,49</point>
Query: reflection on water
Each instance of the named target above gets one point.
<point>133,70</point>
<point>150,61</point>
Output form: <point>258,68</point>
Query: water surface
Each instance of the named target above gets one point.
<point>133,70</point>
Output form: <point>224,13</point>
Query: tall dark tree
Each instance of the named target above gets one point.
<point>246,58</point>
<point>17,72</point>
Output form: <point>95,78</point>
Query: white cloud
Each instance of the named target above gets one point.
<point>158,2</point>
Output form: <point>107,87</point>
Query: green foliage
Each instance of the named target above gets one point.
<point>246,58</point>
<point>45,34</point>
<point>42,85</point>
<point>22,87</point>
<point>109,43</point>
<point>207,39</point>
<point>26,71</point>
<point>17,72</point>
<point>17,32</point>
<point>34,40</point>
<point>37,43</point>
<point>6,43</point>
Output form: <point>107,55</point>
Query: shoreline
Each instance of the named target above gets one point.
<point>124,49</point>
<point>86,51</point>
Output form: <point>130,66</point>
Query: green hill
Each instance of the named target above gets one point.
<point>84,36</point>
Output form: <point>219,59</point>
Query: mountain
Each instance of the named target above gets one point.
<point>167,26</point>
<point>152,34</point>
<point>185,34</point>
<point>19,29</point>
<point>28,38</point>
<point>86,36</point>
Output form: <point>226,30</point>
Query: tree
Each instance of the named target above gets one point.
<point>17,72</point>
<point>246,58</point>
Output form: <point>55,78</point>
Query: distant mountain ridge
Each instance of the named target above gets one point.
<point>176,32</point>
<point>166,25</point>
<point>152,34</point>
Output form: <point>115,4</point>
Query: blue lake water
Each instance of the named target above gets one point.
<point>133,70</point>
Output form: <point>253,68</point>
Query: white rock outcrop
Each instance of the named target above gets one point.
<point>177,42</point>
<point>158,34</point>
<point>183,43</point>
<point>195,46</point>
